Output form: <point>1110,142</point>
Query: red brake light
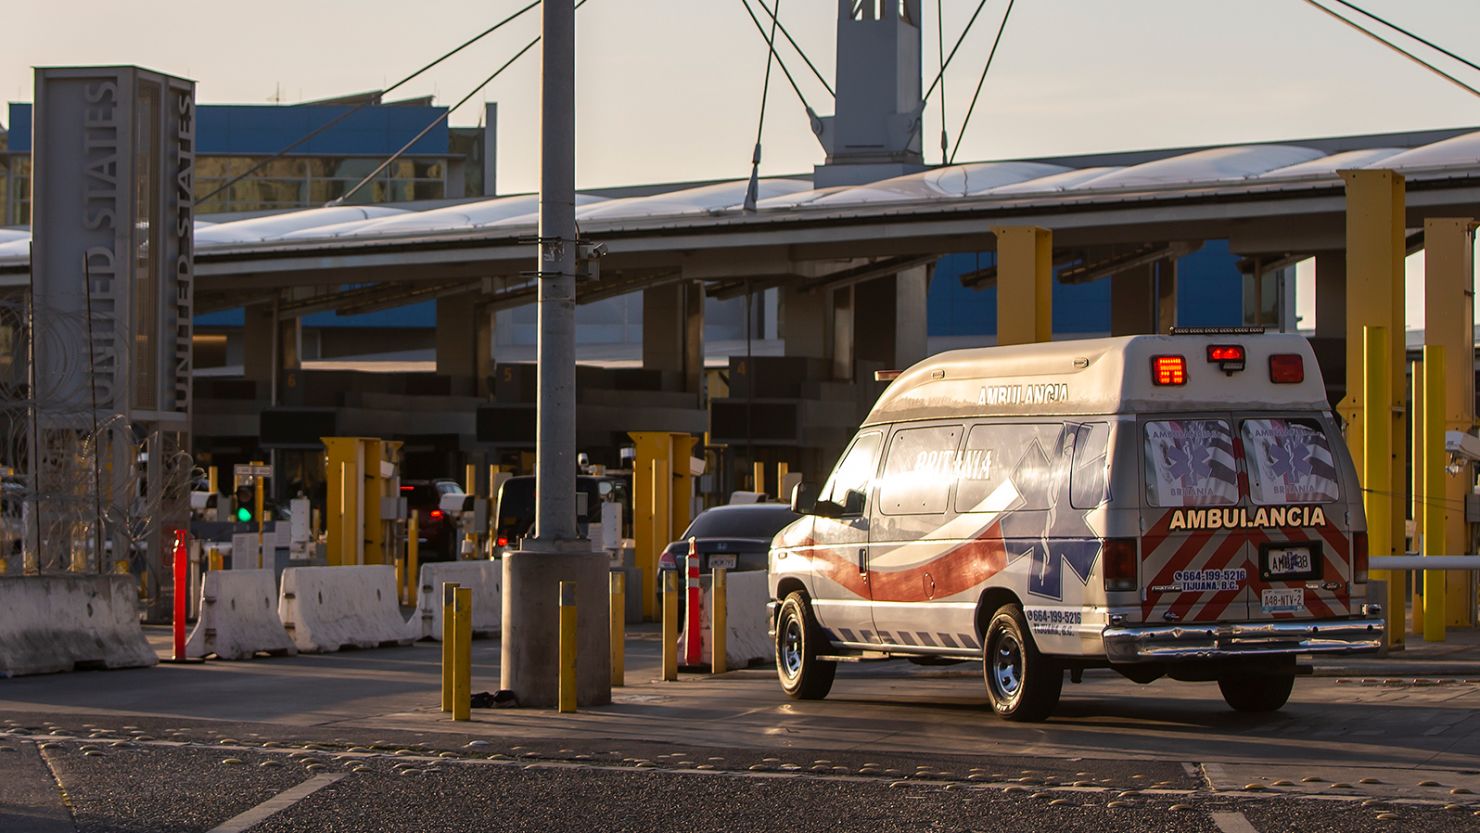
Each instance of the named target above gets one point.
<point>408,488</point>
<point>1286,368</point>
<point>666,561</point>
<point>1168,370</point>
<point>1120,565</point>
<point>502,541</point>
<point>1359,558</point>
<point>435,514</point>
<point>1228,357</point>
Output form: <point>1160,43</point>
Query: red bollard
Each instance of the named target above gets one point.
<point>693,635</point>
<point>182,591</point>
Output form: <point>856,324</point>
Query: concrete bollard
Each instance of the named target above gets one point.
<point>719,621</point>
<point>462,655</point>
<point>530,659</point>
<point>567,647</point>
<point>618,610</point>
<point>670,626</point>
<point>449,642</point>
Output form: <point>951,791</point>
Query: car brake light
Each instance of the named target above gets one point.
<point>666,561</point>
<point>503,541</point>
<point>1120,565</point>
<point>1359,558</point>
<point>1228,357</point>
<point>408,488</point>
<point>1168,370</point>
<point>435,514</point>
<point>1286,368</point>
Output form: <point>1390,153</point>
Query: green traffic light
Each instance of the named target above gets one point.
<point>243,514</point>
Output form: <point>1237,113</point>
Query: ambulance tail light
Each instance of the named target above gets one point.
<point>1120,565</point>
<point>1169,370</point>
<point>1359,558</point>
<point>1229,357</point>
<point>1286,368</point>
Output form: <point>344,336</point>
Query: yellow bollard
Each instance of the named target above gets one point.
<point>449,637</point>
<point>213,558</point>
<point>211,479</point>
<point>619,628</point>
<point>1377,472</point>
<point>413,559</point>
<point>718,621</point>
<point>257,504</point>
<point>462,655</point>
<point>759,474</point>
<point>567,647</point>
<point>1433,459</point>
<point>670,625</point>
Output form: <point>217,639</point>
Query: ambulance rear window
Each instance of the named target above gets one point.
<point>1190,462</point>
<point>1289,461</point>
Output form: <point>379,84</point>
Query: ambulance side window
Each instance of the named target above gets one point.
<point>1007,466</point>
<point>918,471</point>
<point>1087,480</point>
<point>855,472</point>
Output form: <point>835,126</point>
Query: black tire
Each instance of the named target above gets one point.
<point>1022,684</point>
<point>1263,690</point>
<point>803,676</point>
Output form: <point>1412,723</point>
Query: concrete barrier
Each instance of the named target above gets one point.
<point>484,578</point>
<point>58,623</point>
<point>239,617</point>
<point>745,634</point>
<point>327,608</point>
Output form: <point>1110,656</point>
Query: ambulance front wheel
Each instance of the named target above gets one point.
<point>1259,692</point>
<point>1022,684</point>
<point>803,676</point>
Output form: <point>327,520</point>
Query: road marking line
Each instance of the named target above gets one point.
<point>277,803</point>
<point>1233,823</point>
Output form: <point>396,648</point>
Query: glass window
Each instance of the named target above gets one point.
<point>1087,481</point>
<point>917,473</point>
<point>1189,462</point>
<point>855,472</point>
<point>1289,461</point>
<point>1007,466</point>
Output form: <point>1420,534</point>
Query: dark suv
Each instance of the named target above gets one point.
<point>514,516</point>
<point>436,533</point>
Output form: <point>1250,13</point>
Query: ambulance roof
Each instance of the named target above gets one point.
<point>1098,376</point>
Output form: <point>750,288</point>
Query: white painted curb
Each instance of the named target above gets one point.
<point>328,608</point>
<point>239,617</point>
<point>55,623</point>
<point>485,578</point>
<point>745,632</point>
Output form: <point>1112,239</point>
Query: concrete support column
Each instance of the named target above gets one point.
<point>1331,295</point>
<point>842,332</point>
<point>1374,298</point>
<point>272,351</point>
<point>1449,323</point>
<point>1166,295</point>
<point>889,319</point>
<point>1024,284</point>
<point>1133,301</point>
<point>464,344</point>
<point>673,332</point>
<point>805,318</point>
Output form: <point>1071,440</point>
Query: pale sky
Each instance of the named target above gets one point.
<point>669,90</point>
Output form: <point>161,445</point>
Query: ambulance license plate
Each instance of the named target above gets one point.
<point>1290,600</point>
<point>1278,562</point>
<point>722,562</point>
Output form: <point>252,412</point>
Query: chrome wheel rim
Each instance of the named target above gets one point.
<point>791,647</point>
<point>1006,668</point>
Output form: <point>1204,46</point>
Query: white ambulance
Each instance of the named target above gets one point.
<point>1178,506</point>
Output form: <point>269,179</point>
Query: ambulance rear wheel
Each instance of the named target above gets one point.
<point>1022,684</point>
<point>803,676</point>
<point>1258,692</point>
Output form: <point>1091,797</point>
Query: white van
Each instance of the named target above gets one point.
<point>1177,505</point>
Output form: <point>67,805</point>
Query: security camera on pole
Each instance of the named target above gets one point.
<point>556,553</point>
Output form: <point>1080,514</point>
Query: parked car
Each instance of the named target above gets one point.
<point>514,513</point>
<point>735,537</point>
<point>436,534</point>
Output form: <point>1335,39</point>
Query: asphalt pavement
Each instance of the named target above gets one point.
<point>354,741</point>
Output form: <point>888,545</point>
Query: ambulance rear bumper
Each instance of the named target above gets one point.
<point>1225,640</point>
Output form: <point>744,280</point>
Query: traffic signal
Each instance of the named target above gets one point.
<point>246,497</point>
